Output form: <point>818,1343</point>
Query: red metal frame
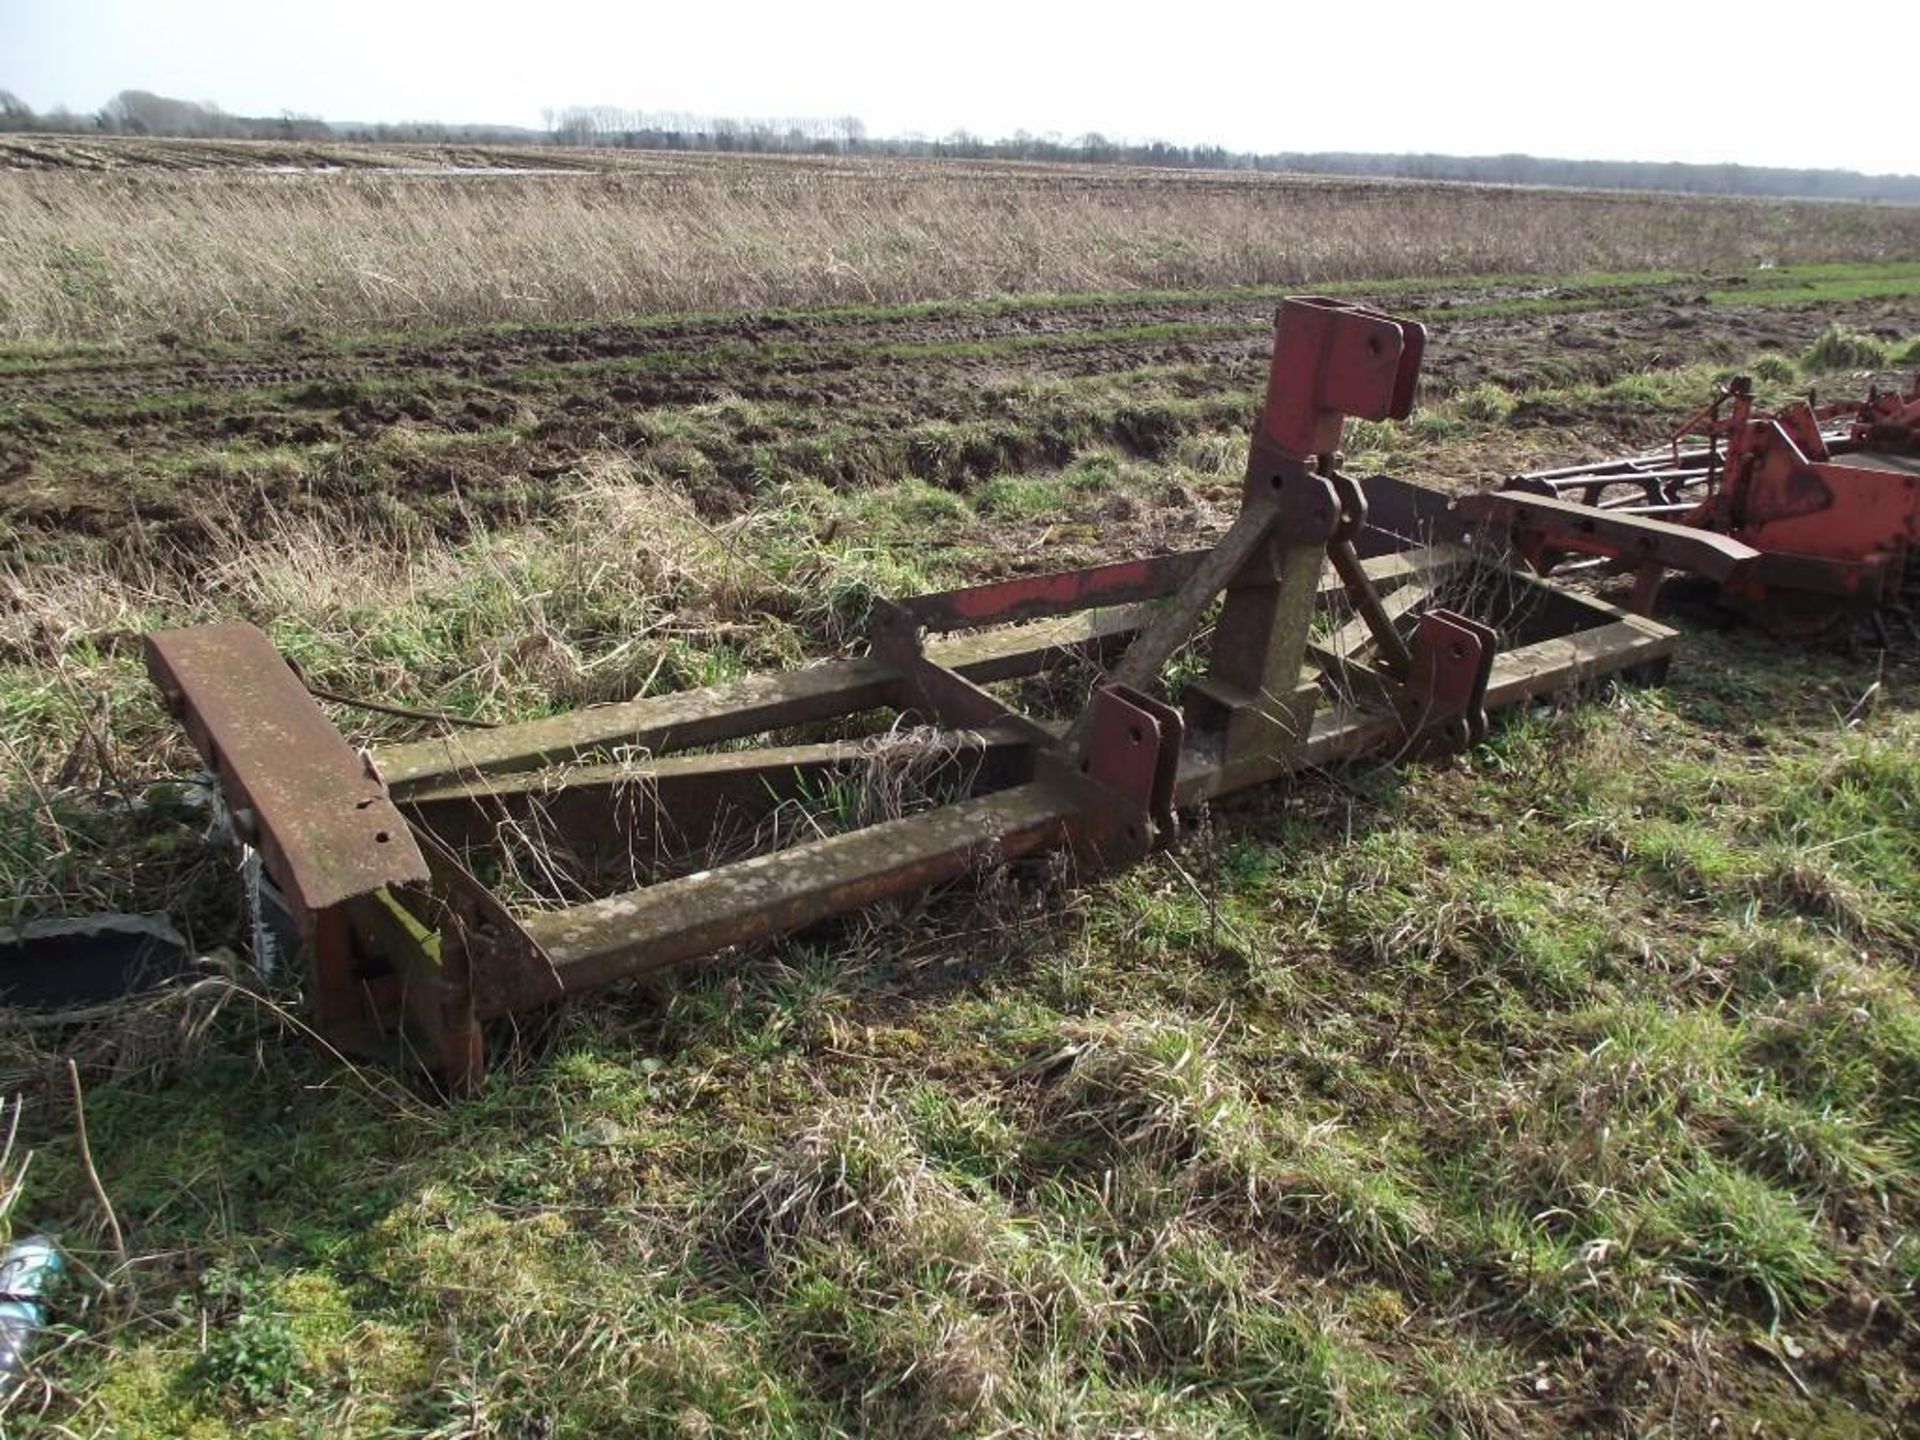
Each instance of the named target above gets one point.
<point>1805,512</point>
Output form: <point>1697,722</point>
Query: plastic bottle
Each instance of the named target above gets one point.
<point>27,1271</point>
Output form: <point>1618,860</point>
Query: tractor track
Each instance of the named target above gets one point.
<point>293,359</point>
<point>101,444</point>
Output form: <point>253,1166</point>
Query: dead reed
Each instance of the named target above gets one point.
<point>237,253</point>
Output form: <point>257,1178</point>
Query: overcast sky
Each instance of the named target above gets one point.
<point>1629,79</point>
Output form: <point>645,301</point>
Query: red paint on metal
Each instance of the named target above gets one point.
<point>1447,683</point>
<point>1331,360</point>
<point>1134,751</point>
<point>1032,596</point>
<point>438,955</point>
<point>321,820</point>
<point>1828,497</point>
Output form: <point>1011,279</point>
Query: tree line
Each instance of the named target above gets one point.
<point>141,112</point>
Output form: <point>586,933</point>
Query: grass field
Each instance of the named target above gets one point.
<point>1569,1087</point>
<point>194,239</point>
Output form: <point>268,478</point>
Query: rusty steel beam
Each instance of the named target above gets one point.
<point>1354,640</point>
<point>643,813</point>
<point>656,725</point>
<point>660,925</point>
<point>1564,663</point>
<point>1031,597</point>
<point>1535,520</point>
<point>324,826</point>
<point>1340,732</point>
<point>1014,652</point>
<point>1281,496</point>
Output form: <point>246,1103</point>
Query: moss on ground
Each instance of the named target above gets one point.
<point>1569,1086</point>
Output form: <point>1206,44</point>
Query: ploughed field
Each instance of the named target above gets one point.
<point>1571,1086</point>
<point>453,428</point>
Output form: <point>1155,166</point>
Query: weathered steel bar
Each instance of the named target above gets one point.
<point>1565,663</point>
<point>642,813</point>
<point>1536,521</point>
<point>1373,614</point>
<point>1619,475</point>
<point>668,722</point>
<point>1355,637</point>
<point>1666,464</point>
<point>325,828</point>
<point>1174,621</point>
<point>630,934</point>
<point>1343,732</point>
<point>1030,597</point>
<point>1423,561</point>
<point>1651,511</point>
<point>1014,651</point>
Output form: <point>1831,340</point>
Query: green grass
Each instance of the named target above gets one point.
<point>1821,283</point>
<point>1447,1103</point>
<point>1837,348</point>
<point>1578,1077</point>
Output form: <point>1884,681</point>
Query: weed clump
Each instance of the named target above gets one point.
<point>1838,348</point>
<point>1486,404</point>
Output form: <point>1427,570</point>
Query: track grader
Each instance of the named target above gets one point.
<point>1337,618</point>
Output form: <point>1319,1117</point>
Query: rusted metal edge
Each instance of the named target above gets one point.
<point>671,772</point>
<point>1341,732</point>
<point>1632,539</point>
<point>1015,650</point>
<point>727,712</point>
<point>1354,639</point>
<point>1029,597</point>
<point>641,815</point>
<point>691,717</point>
<point>1568,662</point>
<point>630,934</point>
<point>322,821</point>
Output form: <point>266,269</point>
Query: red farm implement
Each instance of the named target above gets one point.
<point>1807,519</point>
<point>1329,623</point>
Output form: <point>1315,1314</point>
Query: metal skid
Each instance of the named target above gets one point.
<point>1329,640</point>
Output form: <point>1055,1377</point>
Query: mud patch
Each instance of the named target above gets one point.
<point>483,425</point>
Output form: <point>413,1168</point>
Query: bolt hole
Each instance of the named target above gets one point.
<point>1133,734</point>
<point>1133,832</point>
<point>1086,766</point>
<point>363,804</point>
<point>1277,481</point>
<point>381,837</point>
<point>1459,652</point>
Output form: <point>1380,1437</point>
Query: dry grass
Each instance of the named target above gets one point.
<point>240,253</point>
<point>1565,1089</point>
